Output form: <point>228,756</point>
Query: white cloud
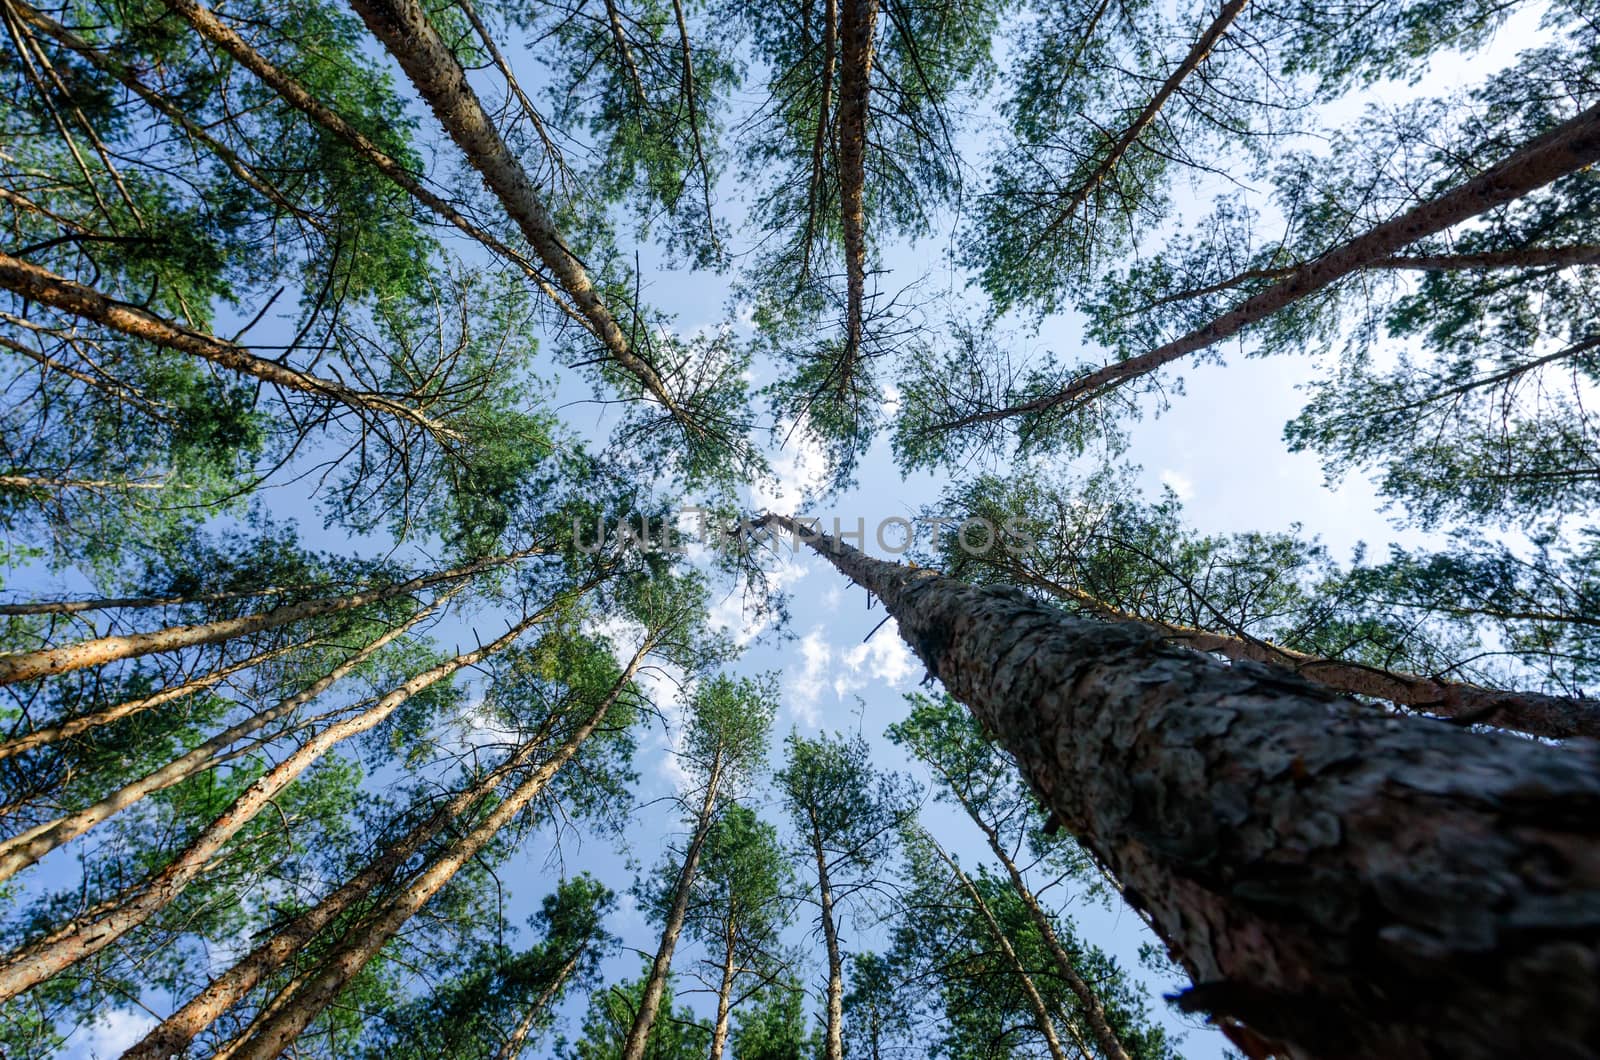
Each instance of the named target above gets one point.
<point>805,687</point>
<point>1178,483</point>
<point>111,1034</point>
<point>798,469</point>
<point>882,659</point>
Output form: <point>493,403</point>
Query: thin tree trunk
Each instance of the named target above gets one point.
<point>76,607</point>
<point>655,985</point>
<point>857,25</point>
<point>45,287</point>
<point>1552,717</point>
<point>30,482</point>
<point>404,29</point>
<point>1088,998</point>
<point>24,849</point>
<point>174,1034</point>
<point>65,730</point>
<point>1567,148</point>
<point>32,964</point>
<point>830,37</point>
<point>266,1039</point>
<point>518,1040</point>
<point>719,1030</point>
<point>1041,1013</point>
<point>1198,53</point>
<point>1336,884</point>
<point>48,662</point>
<point>833,1045</point>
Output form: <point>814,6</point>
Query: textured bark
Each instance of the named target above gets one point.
<point>719,1029</point>
<point>1198,53</point>
<point>857,24</point>
<point>296,95</point>
<point>1088,998</point>
<point>1041,1013</point>
<point>32,964</point>
<point>45,287</point>
<point>1567,148</point>
<point>1336,884</point>
<point>48,662</point>
<point>25,848</point>
<point>830,39</point>
<point>833,1043</point>
<point>655,985</point>
<point>1552,717</point>
<point>266,1039</point>
<point>65,730</point>
<point>78,607</point>
<point>518,1039</point>
<point>404,29</point>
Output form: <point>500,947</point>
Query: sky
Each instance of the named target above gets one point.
<point>1219,448</point>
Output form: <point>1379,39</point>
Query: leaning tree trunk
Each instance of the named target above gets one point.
<point>269,1036</point>
<point>1041,1013</point>
<point>719,1029</point>
<point>1088,998</point>
<point>1336,884</point>
<point>655,985</point>
<point>834,1043</point>
<point>518,1039</point>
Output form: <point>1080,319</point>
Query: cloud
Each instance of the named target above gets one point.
<point>884,659</point>
<point>1178,483</point>
<point>799,469</point>
<point>111,1034</point>
<point>806,687</point>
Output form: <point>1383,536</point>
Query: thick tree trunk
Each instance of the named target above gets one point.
<point>65,730</point>
<point>1041,1013</point>
<point>833,1044</point>
<point>22,850</point>
<point>719,1029</point>
<point>1552,717</point>
<point>1337,884</point>
<point>655,985</point>
<point>48,662</point>
<point>267,1039</point>
<point>818,174</point>
<point>1567,148</point>
<point>512,1047</point>
<point>1088,998</point>
<point>45,287</point>
<point>174,1034</point>
<point>857,26</point>
<point>404,29</point>
<point>33,964</point>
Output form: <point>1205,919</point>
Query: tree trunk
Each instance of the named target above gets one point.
<point>834,1044</point>
<point>1041,1013</point>
<point>830,37</point>
<point>1552,717</point>
<point>175,1033</point>
<point>857,24</point>
<point>32,964</point>
<point>76,607</point>
<point>22,850</point>
<point>65,730</point>
<point>719,1030</point>
<point>266,1039</point>
<point>655,985</point>
<point>518,1039</point>
<point>1336,884</point>
<point>1088,998</point>
<point>48,662</point>
<point>45,287</point>
<point>1567,148</point>
<point>404,29</point>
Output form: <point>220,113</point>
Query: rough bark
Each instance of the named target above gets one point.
<point>1567,148</point>
<point>655,985</point>
<point>830,37</point>
<point>77,607</point>
<point>857,25</point>
<point>25,848</point>
<point>1552,717</point>
<point>48,662</point>
<point>1041,1013</point>
<point>1088,998</point>
<point>833,1044</point>
<point>403,28</point>
<point>719,1029</point>
<point>45,287</point>
<point>1336,884</point>
<point>65,730</point>
<point>266,1039</point>
<point>32,964</point>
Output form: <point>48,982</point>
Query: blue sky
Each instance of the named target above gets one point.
<point>1219,447</point>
